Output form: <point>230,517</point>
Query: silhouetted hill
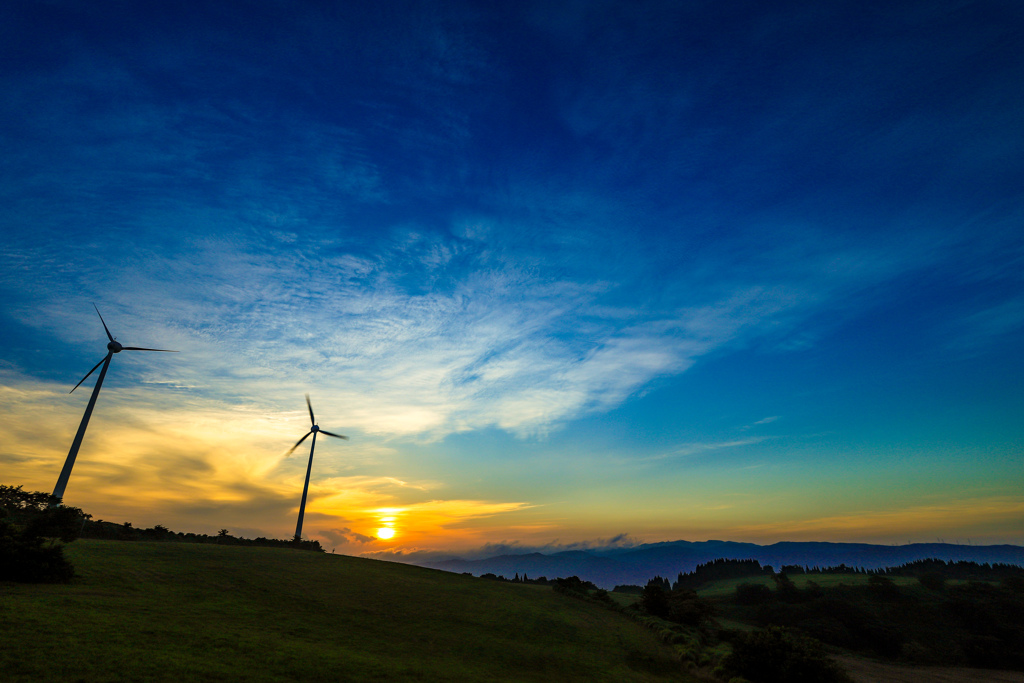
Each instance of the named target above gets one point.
<point>149,611</point>
<point>608,567</point>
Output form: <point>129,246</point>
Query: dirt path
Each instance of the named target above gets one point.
<point>867,671</point>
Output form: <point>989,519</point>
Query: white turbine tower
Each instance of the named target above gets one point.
<point>314,430</point>
<point>113,346</point>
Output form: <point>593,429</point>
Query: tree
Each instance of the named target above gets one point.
<point>685,607</point>
<point>753,594</point>
<point>654,598</point>
<point>31,534</point>
<point>778,655</point>
<point>785,589</point>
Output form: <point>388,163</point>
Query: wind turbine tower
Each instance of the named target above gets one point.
<point>314,430</point>
<point>113,346</point>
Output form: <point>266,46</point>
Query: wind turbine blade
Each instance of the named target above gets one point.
<point>139,348</point>
<point>89,373</point>
<point>109,336</point>
<point>340,436</point>
<point>296,443</point>
<point>312,420</point>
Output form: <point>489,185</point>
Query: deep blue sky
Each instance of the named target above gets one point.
<point>563,271</point>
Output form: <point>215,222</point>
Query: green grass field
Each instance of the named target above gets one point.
<point>183,612</point>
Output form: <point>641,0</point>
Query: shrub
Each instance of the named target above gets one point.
<point>778,655</point>
<point>27,558</point>
<point>753,594</point>
<point>785,589</point>
<point>882,588</point>
<point>684,607</point>
<point>30,535</point>
<point>1013,583</point>
<point>573,584</point>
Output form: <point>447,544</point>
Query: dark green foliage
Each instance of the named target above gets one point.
<point>13,500</point>
<point>64,523</point>
<point>573,584</point>
<point>680,605</point>
<point>958,571</point>
<point>31,559</point>
<point>933,581</point>
<point>720,569</point>
<point>654,598</point>
<point>753,594</point>
<point>684,607</point>
<point>1014,583</point>
<point>778,655</point>
<point>974,624</point>
<point>157,533</point>
<point>785,590</point>
<point>31,531</point>
<point>992,616</point>
<point>882,588</point>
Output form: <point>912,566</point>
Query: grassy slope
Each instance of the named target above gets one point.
<point>167,611</point>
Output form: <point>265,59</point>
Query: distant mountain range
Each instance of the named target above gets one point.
<point>609,567</point>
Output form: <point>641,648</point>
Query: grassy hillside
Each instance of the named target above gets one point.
<point>161,611</point>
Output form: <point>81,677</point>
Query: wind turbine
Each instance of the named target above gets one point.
<point>113,346</point>
<point>314,430</point>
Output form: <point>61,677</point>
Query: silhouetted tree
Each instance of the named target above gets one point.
<point>777,655</point>
<point>785,588</point>
<point>32,530</point>
<point>654,598</point>
<point>685,607</point>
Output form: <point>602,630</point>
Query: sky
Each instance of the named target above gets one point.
<point>567,274</point>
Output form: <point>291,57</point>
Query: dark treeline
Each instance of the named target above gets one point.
<point>740,569</point>
<point>33,531</point>
<point>126,532</point>
<point>721,569</point>
<point>541,581</point>
<point>570,585</point>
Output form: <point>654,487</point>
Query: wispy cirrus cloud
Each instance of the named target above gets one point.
<point>422,335</point>
<point>692,450</point>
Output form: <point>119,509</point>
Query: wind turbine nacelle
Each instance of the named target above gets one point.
<point>314,429</point>
<point>114,347</point>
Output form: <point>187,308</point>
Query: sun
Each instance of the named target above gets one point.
<point>385,533</point>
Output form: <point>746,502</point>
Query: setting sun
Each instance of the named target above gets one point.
<point>385,533</point>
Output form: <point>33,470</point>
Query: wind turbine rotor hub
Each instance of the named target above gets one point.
<point>114,347</point>
<point>314,428</point>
